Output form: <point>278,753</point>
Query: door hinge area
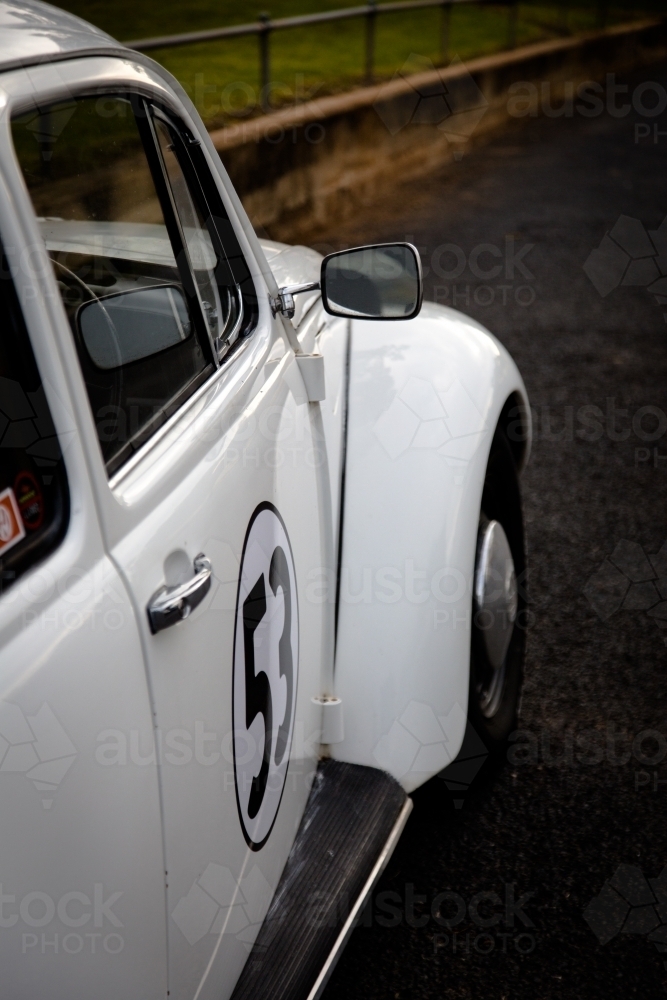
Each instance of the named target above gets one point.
<point>333,729</point>
<point>311,367</point>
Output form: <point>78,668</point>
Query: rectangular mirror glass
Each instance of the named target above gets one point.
<point>374,282</point>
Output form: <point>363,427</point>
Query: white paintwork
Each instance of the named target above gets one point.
<point>425,397</point>
<point>30,31</point>
<point>244,438</point>
<point>415,463</point>
<point>71,670</point>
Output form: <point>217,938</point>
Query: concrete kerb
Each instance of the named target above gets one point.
<point>296,166</point>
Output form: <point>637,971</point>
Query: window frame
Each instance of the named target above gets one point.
<point>146,127</point>
<point>188,149</point>
<point>204,190</point>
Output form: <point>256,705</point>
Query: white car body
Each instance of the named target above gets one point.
<point>120,766</point>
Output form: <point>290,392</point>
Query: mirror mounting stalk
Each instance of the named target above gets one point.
<point>311,366</point>
<point>284,301</point>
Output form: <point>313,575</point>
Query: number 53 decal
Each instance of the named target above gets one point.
<point>266,658</point>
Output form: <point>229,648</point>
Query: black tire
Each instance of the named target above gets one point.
<point>501,501</point>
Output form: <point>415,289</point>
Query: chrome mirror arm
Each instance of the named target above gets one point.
<point>284,301</point>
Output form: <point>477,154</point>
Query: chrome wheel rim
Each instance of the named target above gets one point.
<point>495,611</point>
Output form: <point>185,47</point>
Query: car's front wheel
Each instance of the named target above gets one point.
<point>498,629</point>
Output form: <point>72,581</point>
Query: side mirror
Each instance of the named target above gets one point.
<point>374,282</point>
<point>133,325</point>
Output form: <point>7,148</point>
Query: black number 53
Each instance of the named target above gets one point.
<point>258,699</point>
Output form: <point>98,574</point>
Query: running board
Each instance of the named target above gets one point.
<point>349,830</point>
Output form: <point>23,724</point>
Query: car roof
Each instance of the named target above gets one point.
<point>33,32</point>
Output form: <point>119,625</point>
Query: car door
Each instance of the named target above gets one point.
<point>209,472</point>
<point>82,899</point>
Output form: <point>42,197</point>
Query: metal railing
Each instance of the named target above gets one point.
<point>265,26</point>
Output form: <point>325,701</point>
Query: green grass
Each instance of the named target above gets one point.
<point>222,77</point>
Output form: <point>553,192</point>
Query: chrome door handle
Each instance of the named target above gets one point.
<point>170,605</point>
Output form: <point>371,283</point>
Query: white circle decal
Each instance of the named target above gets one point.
<point>266,662</point>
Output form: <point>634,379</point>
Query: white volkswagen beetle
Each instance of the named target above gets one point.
<point>260,538</point>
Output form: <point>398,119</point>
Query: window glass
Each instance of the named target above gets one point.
<point>220,295</point>
<point>34,502</point>
<point>104,208</point>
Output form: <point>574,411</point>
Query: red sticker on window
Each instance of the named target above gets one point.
<point>11,524</point>
<point>30,500</point>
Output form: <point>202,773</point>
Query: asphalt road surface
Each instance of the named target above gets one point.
<point>584,792</point>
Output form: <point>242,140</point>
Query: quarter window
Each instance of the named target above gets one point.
<point>152,299</point>
<point>223,315</point>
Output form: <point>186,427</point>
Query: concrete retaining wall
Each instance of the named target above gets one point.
<point>298,168</point>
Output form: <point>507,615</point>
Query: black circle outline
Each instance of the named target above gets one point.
<point>264,505</point>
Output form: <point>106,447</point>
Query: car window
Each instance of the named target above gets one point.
<point>34,505</point>
<point>144,277</point>
<point>222,301</point>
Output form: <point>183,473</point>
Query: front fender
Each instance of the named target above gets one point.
<point>425,397</point>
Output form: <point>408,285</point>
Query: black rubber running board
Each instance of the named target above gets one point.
<point>352,822</point>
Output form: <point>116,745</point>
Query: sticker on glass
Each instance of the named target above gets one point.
<point>11,523</point>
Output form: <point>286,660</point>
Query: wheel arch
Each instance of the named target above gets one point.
<point>515,421</point>
<point>425,399</point>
